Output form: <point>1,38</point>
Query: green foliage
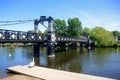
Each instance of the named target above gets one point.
<point>118,43</point>
<point>32,31</point>
<point>116,33</point>
<point>60,27</point>
<point>74,27</point>
<point>39,32</point>
<point>45,32</point>
<point>86,30</point>
<point>102,37</point>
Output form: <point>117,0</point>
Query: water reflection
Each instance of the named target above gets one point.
<point>99,61</point>
<point>60,62</point>
<point>117,50</point>
<point>51,62</point>
<point>10,53</point>
<point>101,56</point>
<point>27,53</point>
<point>37,60</point>
<point>64,60</point>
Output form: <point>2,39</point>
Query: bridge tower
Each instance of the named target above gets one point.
<point>50,38</point>
<point>50,35</point>
<point>36,45</point>
<point>36,22</point>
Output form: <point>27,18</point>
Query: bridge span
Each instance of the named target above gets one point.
<point>10,36</point>
<point>50,39</point>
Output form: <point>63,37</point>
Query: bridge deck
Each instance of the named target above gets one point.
<point>51,74</point>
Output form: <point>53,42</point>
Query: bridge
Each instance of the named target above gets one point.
<point>34,37</point>
<point>31,37</point>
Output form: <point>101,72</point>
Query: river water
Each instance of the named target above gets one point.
<point>103,62</point>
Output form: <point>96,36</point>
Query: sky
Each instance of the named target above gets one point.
<point>91,13</point>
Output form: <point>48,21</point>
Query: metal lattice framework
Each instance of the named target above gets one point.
<point>20,36</point>
<point>29,37</point>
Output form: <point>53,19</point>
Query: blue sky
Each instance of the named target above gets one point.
<point>105,13</point>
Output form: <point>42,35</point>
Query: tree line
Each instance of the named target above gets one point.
<point>73,28</point>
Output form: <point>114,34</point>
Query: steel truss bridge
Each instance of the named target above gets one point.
<point>11,36</point>
<point>7,36</point>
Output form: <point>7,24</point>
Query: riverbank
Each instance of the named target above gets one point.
<point>20,77</point>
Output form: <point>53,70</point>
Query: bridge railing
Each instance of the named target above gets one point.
<point>21,36</point>
<point>69,39</point>
<point>11,35</point>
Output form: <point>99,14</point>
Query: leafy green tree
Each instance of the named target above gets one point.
<point>102,37</point>
<point>32,31</point>
<point>86,31</point>
<point>74,27</point>
<point>116,33</point>
<point>60,27</point>
<point>39,32</point>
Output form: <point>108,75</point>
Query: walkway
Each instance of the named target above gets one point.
<point>51,74</point>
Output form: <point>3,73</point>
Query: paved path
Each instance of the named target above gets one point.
<point>51,74</point>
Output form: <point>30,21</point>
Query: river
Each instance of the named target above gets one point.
<point>103,62</point>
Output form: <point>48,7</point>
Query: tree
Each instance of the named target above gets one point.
<point>60,27</point>
<point>116,33</point>
<point>86,31</point>
<point>39,32</point>
<point>45,32</point>
<point>32,31</point>
<point>74,27</point>
<point>102,37</point>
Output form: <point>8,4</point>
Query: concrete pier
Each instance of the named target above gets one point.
<point>52,74</point>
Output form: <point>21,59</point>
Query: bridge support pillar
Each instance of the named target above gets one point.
<point>36,49</point>
<point>81,45</point>
<point>89,42</point>
<point>50,50</point>
<point>50,38</point>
